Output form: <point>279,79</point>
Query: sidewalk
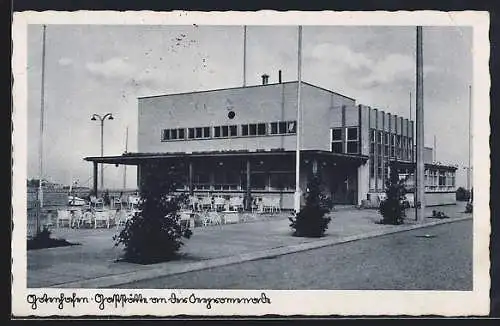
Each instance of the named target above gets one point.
<point>93,263</point>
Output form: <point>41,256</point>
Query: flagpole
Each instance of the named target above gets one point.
<point>125,166</point>
<point>297,152</point>
<point>420,168</point>
<point>244,55</point>
<point>40,139</point>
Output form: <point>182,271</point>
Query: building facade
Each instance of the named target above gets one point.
<point>242,141</point>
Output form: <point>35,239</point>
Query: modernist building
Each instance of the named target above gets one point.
<point>243,141</point>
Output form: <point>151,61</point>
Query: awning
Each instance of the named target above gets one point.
<point>139,158</point>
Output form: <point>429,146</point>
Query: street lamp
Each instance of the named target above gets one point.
<point>96,117</point>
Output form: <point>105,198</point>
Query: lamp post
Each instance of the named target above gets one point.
<point>97,117</point>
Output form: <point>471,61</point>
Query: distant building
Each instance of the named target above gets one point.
<point>241,141</point>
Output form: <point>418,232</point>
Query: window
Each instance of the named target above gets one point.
<point>337,146</point>
<point>261,129</point>
<point>172,134</point>
<point>166,134</point>
<point>206,132</point>
<point>352,133</point>
<point>190,133</point>
<point>337,134</point>
<point>198,133</point>
<point>258,181</point>
<point>274,128</point>
<point>352,140</point>
<point>291,127</point>
<point>352,147</point>
<point>282,128</point>
<point>233,131</point>
<point>282,181</point>
<point>442,179</point>
<point>253,129</point>
<point>217,132</point>
<point>225,131</point>
<point>244,130</point>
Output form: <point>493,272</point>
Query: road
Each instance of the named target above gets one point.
<point>401,261</point>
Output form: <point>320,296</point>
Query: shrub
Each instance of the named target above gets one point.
<point>462,194</point>
<point>311,220</point>
<point>154,233</point>
<point>393,209</point>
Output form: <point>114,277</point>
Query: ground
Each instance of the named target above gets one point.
<point>402,261</point>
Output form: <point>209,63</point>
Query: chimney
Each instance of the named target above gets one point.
<point>265,79</point>
<point>279,77</point>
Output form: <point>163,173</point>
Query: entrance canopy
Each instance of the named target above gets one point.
<point>139,158</point>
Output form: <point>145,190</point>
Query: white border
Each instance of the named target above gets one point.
<point>449,303</point>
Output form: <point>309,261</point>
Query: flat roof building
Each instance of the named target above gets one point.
<point>242,141</point>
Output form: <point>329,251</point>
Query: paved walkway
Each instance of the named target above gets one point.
<point>94,262</point>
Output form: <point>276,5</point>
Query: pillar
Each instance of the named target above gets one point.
<point>363,181</point>
<point>95,178</point>
<point>248,200</point>
<point>190,178</point>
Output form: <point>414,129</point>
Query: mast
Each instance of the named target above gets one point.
<point>420,200</point>
<point>125,166</point>
<point>244,55</point>
<point>40,139</point>
<point>297,152</point>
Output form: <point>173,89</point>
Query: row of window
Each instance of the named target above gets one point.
<point>345,140</point>
<point>228,180</point>
<point>226,131</point>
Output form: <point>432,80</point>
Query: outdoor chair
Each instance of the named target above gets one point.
<point>206,203</point>
<point>102,217</point>
<point>63,216</point>
<point>97,203</point>
<point>194,202</point>
<point>236,203</point>
<point>133,202</point>
<point>116,203</point>
<point>86,219</point>
<point>219,203</point>
<point>76,217</point>
<point>122,216</point>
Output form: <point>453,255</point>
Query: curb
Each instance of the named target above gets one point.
<point>168,269</point>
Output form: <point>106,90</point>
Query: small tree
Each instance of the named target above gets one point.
<point>311,220</point>
<point>392,208</point>
<point>154,233</point>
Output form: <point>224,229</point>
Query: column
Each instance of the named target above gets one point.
<point>248,200</point>
<point>95,178</point>
<point>363,182</point>
<point>190,178</point>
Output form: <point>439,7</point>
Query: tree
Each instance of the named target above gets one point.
<point>311,220</point>
<point>392,208</point>
<point>154,233</point>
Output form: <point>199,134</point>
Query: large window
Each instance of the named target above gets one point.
<point>282,181</point>
<point>352,140</point>
<point>337,146</point>
<point>225,131</point>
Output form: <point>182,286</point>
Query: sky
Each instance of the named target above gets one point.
<point>99,69</point>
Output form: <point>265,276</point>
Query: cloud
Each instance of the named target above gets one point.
<point>368,71</point>
<point>114,68</point>
<point>341,54</point>
<point>65,62</point>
